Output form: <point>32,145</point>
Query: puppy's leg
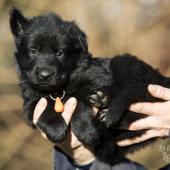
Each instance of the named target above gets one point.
<point>84,125</point>
<point>127,96</point>
<point>112,107</point>
<point>52,124</point>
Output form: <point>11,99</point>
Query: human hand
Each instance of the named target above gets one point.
<point>71,146</point>
<point>158,116</point>
<point>70,106</point>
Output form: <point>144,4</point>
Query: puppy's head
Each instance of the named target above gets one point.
<point>48,49</point>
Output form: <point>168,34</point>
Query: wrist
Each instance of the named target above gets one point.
<point>80,154</point>
<point>83,155</point>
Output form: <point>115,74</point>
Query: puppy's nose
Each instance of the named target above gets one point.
<point>45,73</point>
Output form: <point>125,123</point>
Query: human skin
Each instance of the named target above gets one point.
<point>158,116</point>
<point>71,146</point>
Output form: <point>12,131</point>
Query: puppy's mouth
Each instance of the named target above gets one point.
<point>45,86</point>
<point>51,85</point>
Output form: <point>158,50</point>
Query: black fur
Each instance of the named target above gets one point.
<point>52,56</point>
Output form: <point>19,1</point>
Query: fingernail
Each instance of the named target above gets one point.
<point>133,126</point>
<point>42,101</point>
<point>121,143</point>
<point>72,101</point>
<point>152,87</point>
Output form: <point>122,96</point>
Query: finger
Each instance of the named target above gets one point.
<point>39,109</point>
<point>147,135</point>
<point>69,108</point>
<point>146,108</point>
<point>159,92</point>
<point>145,123</point>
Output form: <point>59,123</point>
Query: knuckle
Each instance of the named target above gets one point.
<point>161,93</point>
<point>164,132</point>
<point>137,140</point>
<point>139,108</point>
<point>128,142</point>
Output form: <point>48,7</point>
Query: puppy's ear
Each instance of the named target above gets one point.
<point>83,41</point>
<point>79,36</point>
<point>18,22</point>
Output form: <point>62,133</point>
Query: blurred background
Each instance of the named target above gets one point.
<point>140,27</point>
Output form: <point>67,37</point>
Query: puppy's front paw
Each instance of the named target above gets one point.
<point>101,115</point>
<point>54,127</point>
<point>98,99</point>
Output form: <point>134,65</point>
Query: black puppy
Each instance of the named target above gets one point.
<point>52,58</point>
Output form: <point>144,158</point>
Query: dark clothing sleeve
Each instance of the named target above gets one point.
<point>64,162</point>
<point>167,167</point>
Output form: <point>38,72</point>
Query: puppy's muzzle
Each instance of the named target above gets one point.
<point>46,73</point>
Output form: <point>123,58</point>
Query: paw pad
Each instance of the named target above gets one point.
<point>98,99</point>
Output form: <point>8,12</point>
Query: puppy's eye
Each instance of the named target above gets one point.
<point>33,51</point>
<point>60,53</point>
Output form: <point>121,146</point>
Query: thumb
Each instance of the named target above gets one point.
<point>69,108</point>
<point>39,109</point>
